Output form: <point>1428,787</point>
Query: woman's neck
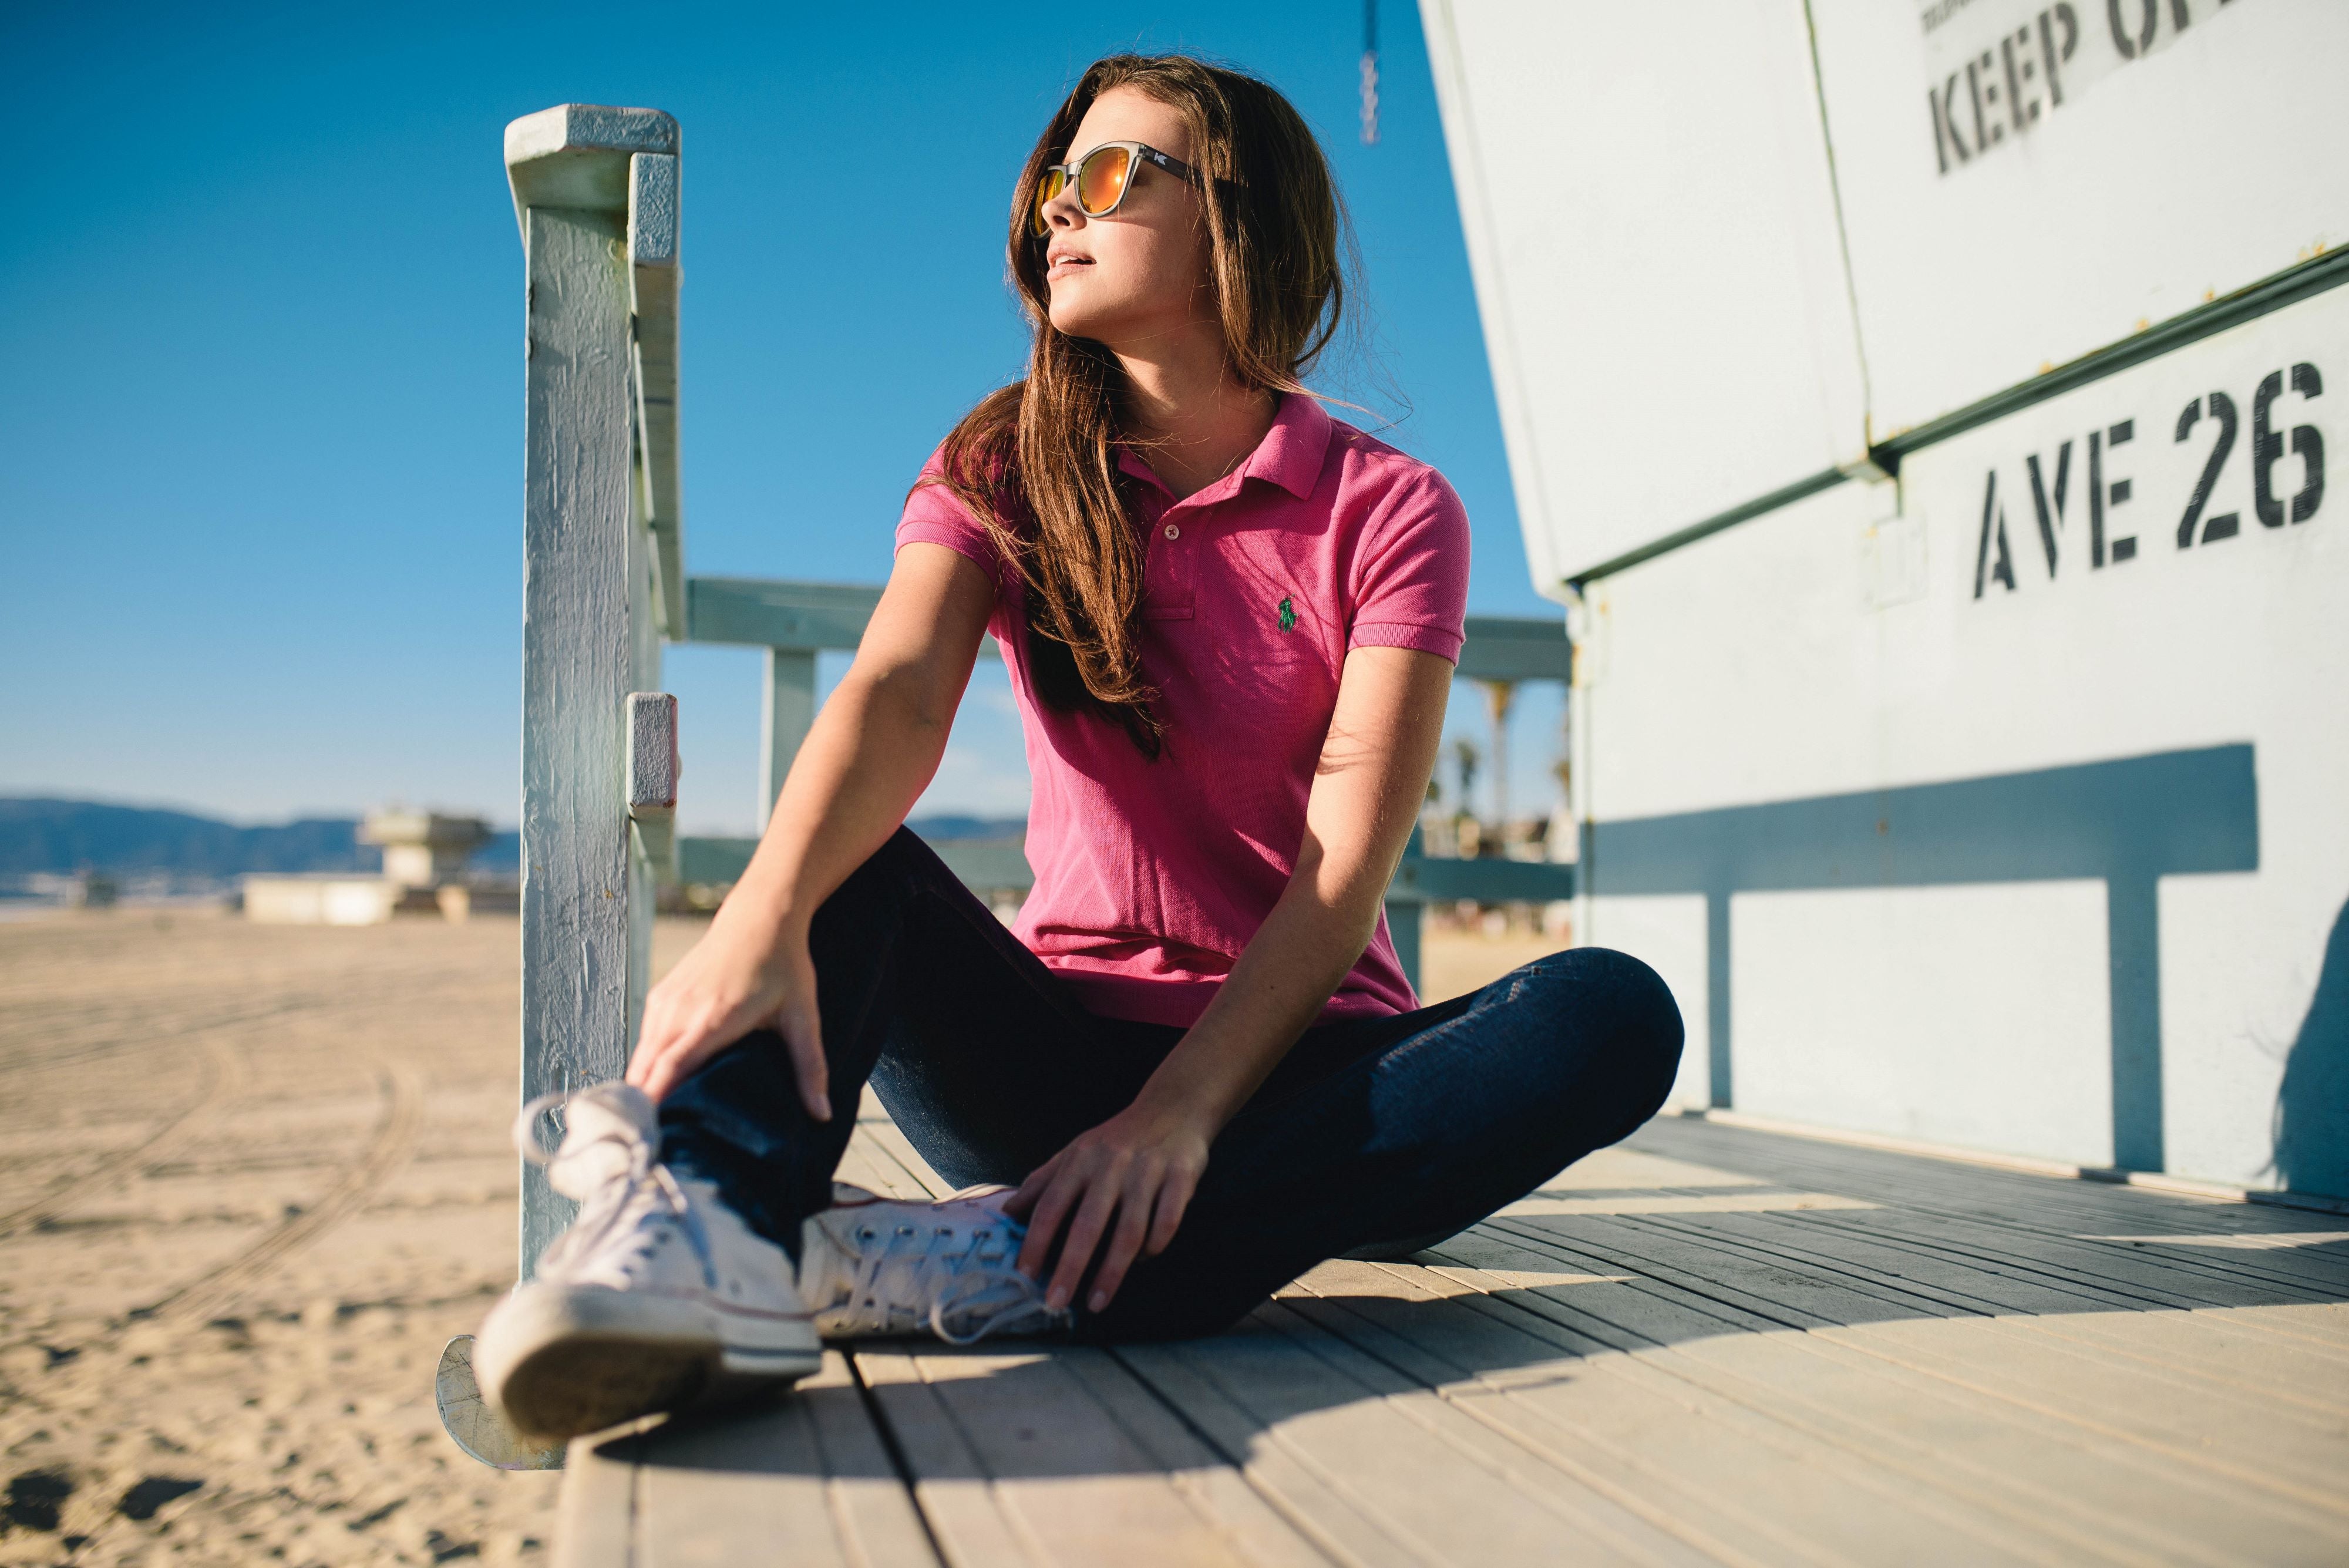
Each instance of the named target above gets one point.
<point>1193,421</point>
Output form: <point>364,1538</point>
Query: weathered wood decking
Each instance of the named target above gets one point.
<point>1712,1345</point>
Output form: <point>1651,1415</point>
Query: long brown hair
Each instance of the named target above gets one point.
<point>1036,461</point>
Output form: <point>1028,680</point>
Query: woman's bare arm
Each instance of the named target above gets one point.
<point>1143,1165</point>
<point>873,750</point>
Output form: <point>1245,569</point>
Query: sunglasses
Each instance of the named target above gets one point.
<point>1102,178</point>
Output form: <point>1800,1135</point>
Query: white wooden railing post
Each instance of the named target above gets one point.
<point>785,718</point>
<point>595,192</point>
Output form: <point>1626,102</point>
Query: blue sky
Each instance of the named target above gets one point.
<point>261,311</point>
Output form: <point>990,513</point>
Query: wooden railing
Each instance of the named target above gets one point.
<point>796,621</point>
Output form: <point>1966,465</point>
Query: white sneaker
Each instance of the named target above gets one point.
<point>872,1265</point>
<point>657,1297</point>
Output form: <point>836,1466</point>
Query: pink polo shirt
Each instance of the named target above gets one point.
<point>1152,876</point>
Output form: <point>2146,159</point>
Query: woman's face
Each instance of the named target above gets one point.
<point>1140,273</point>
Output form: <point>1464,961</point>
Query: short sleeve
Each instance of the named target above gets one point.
<point>1410,586</point>
<point>935,514</point>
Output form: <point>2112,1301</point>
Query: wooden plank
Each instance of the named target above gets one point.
<point>2072,1310</point>
<point>2152,1280</point>
<point>578,657</point>
<point>2102,1496</point>
<point>595,1520</point>
<point>2221,1342</point>
<point>951,1487</point>
<point>872,1502</point>
<point>2072,1210</point>
<point>2169,1400</point>
<point>1381,1469</point>
<point>1796,1297</point>
<point>2102,1500</point>
<point>725,1489</point>
<point>1620,1309</point>
<point>1323,1512</point>
<point>892,1139</point>
<point>2273,1449</point>
<point>1744,1482</point>
<point>1964,1285</point>
<point>2066,1214</point>
<point>868,1165</point>
<point>1263,1534</point>
<point>1066,1479</point>
<point>1647,1307</point>
<point>803,1479</point>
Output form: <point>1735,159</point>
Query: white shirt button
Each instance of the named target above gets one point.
<point>1173,532</point>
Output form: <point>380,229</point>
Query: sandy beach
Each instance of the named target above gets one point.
<point>252,1179</point>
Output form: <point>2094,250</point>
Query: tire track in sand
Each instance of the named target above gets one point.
<point>398,1129</point>
<point>224,1077</point>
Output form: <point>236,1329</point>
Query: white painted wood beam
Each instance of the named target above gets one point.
<point>599,232</point>
<point>576,155</point>
<point>578,666</point>
<point>652,776</point>
<point>787,715</point>
<point>654,275</point>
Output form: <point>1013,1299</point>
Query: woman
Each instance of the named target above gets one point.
<point>1231,623</point>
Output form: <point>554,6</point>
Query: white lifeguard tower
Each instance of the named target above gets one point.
<point>424,855</point>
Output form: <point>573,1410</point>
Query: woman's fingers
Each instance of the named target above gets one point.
<point>802,1031</point>
<point>1060,1193</point>
<point>1126,1242</point>
<point>1020,1202</point>
<point>649,1046</point>
<point>689,1043</point>
<point>1174,1198</point>
<point>680,1055</point>
<point>1084,1235</point>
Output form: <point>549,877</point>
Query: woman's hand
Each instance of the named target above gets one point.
<point>1139,1167</point>
<point>736,979</point>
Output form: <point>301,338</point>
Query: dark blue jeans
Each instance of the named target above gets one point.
<point>1371,1133</point>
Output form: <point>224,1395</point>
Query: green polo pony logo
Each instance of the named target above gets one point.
<point>1288,616</point>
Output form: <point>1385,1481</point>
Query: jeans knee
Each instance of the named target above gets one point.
<point>881,875</point>
<point>746,1096</point>
<point>873,895</point>
<point>1629,1009</point>
<point>1650,1028</point>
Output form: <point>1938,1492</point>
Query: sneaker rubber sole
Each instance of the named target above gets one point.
<point>559,1361</point>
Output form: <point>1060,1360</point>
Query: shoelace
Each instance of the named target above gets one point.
<point>951,1284</point>
<point>608,1207</point>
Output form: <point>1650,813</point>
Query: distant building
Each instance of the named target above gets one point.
<point>424,855</point>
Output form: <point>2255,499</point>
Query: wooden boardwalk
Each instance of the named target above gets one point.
<point>1712,1345</point>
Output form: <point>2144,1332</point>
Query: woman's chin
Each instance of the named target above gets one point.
<point>1071,319</point>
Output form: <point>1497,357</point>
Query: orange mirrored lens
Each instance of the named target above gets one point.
<point>1053,183</point>
<point>1101,178</point>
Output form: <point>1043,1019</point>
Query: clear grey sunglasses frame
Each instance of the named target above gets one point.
<point>1135,151</point>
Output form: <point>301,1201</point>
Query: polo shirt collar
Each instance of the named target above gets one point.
<point>1289,455</point>
<point>1291,451</point>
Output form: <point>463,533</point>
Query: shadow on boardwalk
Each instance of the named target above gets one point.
<point>1693,1235</point>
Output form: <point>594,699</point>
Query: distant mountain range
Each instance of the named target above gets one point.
<point>63,836</point>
